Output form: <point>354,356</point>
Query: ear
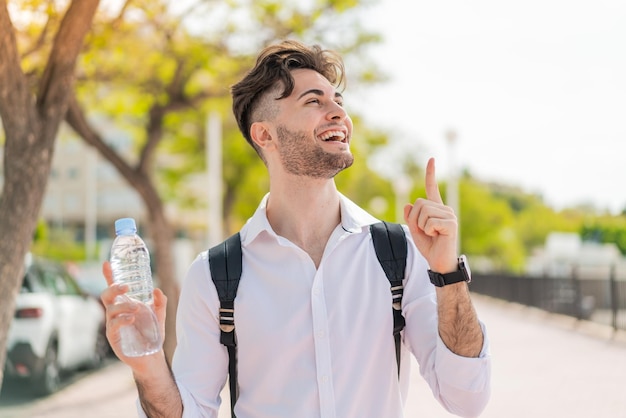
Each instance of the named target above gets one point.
<point>261,135</point>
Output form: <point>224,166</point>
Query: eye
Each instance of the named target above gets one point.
<point>313,101</point>
<point>339,102</point>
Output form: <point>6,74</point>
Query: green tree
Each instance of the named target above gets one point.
<point>536,221</point>
<point>36,79</point>
<point>606,229</point>
<point>488,226</point>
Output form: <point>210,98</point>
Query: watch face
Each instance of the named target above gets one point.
<point>464,265</point>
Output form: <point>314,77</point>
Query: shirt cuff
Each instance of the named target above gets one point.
<point>470,374</point>
<point>190,409</point>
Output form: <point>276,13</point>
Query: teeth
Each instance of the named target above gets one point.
<point>336,135</point>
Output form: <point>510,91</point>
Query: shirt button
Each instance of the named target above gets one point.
<point>325,379</point>
<point>321,334</point>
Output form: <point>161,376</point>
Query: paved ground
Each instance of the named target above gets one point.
<point>543,366</point>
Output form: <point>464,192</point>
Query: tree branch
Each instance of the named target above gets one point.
<point>75,117</point>
<point>41,40</point>
<point>13,84</point>
<point>154,132</point>
<point>154,129</point>
<point>58,77</point>
<point>120,16</point>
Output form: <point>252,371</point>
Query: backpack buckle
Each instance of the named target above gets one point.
<point>396,297</point>
<point>227,319</point>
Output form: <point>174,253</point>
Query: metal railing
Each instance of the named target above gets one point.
<point>601,300</point>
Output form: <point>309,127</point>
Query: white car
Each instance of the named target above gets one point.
<point>56,327</point>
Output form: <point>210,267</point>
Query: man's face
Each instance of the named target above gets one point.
<point>313,130</point>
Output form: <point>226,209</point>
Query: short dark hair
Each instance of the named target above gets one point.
<point>274,64</point>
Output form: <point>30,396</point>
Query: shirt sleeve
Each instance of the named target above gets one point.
<point>200,362</point>
<point>461,384</point>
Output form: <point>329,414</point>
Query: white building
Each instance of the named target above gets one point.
<point>84,187</point>
<point>565,254</point>
<point>85,194</point>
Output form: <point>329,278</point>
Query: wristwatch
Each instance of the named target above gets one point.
<point>463,274</point>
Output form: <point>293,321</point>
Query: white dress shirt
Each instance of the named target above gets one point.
<point>318,342</point>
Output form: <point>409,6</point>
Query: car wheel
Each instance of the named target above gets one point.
<point>49,380</point>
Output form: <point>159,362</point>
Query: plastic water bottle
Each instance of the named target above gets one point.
<point>130,263</point>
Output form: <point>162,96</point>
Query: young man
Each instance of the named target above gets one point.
<point>313,317</point>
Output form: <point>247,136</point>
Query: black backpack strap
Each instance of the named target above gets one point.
<point>225,265</point>
<point>391,250</point>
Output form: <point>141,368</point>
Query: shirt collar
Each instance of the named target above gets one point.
<point>353,219</point>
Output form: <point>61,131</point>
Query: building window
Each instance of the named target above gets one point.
<point>73,173</point>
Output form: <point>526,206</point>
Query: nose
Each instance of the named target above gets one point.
<point>337,113</point>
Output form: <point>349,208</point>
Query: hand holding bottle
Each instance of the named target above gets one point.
<point>121,313</point>
<point>135,313</point>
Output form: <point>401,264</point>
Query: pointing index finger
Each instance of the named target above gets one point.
<point>432,188</point>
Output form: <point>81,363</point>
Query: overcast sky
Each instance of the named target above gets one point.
<point>535,90</point>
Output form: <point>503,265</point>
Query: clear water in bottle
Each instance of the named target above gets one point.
<point>130,263</point>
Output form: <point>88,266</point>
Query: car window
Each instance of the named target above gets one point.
<point>52,282</point>
<point>28,283</point>
<point>64,284</point>
<point>32,282</point>
<point>71,288</point>
<point>50,278</point>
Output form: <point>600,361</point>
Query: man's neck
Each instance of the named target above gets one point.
<point>306,212</point>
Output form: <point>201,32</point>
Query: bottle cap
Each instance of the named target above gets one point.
<point>125,226</point>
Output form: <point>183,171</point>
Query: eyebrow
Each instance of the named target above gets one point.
<point>318,92</point>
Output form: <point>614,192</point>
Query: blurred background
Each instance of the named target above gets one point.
<point>521,105</point>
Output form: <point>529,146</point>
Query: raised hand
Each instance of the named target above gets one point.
<point>433,226</point>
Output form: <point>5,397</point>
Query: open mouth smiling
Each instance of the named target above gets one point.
<point>333,136</point>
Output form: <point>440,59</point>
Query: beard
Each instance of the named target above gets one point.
<point>303,156</point>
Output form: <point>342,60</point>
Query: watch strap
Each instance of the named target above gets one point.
<point>441,280</point>
<point>460,275</point>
